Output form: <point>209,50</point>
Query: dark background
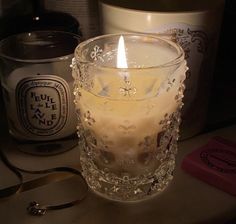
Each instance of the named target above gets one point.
<point>222,107</point>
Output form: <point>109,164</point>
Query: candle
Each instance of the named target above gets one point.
<point>37,86</point>
<point>32,95</point>
<point>128,114</point>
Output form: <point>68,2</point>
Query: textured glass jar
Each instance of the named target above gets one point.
<point>128,117</point>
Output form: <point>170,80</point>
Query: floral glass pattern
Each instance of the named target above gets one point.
<point>128,118</point>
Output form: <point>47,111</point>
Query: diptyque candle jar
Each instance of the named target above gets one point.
<point>37,89</point>
<point>128,96</point>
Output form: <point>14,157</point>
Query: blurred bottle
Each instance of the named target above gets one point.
<point>37,18</point>
<point>14,7</point>
<point>9,9</point>
<point>85,11</point>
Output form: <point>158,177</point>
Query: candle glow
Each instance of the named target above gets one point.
<point>121,56</point>
<point>130,131</point>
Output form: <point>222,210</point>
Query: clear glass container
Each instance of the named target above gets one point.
<point>128,113</point>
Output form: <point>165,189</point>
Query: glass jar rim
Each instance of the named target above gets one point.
<point>176,60</point>
<point>65,56</point>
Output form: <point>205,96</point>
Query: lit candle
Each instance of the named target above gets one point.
<point>128,99</point>
<point>120,126</point>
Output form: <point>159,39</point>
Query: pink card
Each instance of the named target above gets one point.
<point>214,163</point>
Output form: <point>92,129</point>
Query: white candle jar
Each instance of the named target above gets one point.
<point>128,117</point>
<point>37,83</point>
<point>194,25</point>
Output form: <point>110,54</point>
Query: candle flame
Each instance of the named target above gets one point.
<point>121,56</point>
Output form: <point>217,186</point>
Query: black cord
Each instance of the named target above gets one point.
<point>35,208</point>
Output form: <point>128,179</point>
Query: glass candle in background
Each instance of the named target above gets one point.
<point>128,99</point>
<point>194,25</point>
<point>37,83</point>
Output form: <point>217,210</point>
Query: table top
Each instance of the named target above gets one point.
<point>186,200</point>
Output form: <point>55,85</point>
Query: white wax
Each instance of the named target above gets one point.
<point>121,122</point>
